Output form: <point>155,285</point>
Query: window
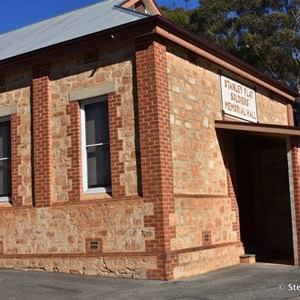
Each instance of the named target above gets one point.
<point>5,160</point>
<point>95,146</point>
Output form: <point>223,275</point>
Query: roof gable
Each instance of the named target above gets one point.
<point>146,6</point>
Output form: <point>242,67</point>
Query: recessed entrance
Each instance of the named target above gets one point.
<point>263,196</point>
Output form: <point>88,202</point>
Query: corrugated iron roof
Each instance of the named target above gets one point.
<point>94,18</point>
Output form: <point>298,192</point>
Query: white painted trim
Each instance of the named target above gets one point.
<point>5,199</point>
<point>5,118</point>
<point>86,190</point>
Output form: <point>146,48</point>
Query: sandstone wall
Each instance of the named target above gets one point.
<point>58,238</point>
<point>86,234</point>
<point>16,91</point>
<point>199,262</point>
<point>271,109</point>
<point>109,65</point>
<point>203,221</point>
<point>206,216</point>
<point>195,101</point>
<point>194,94</point>
<point>163,227</point>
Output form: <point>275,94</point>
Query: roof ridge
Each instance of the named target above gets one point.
<point>131,11</point>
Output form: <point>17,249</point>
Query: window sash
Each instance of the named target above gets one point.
<point>5,160</point>
<point>5,179</point>
<point>97,166</point>
<point>95,145</point>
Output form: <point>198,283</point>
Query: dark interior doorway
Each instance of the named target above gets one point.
<point>263,196</point>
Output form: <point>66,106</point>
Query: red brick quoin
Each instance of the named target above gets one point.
<point>74,151</point>
<point>16,160</point>
<point>156,151</point>
<point>42,142</point>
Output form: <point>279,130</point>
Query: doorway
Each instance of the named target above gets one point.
<point>263,197</point>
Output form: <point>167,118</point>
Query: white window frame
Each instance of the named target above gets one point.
<point>6,198</point>
<point>87,190</point>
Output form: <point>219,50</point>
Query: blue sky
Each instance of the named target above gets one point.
<point>18,13</point>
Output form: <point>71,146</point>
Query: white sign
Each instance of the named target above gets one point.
<point>238,100</point>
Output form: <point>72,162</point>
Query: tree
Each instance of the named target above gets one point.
<point>265,33</point>
<point>178,15</point>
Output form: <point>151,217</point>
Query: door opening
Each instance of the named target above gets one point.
<point>263,197</point>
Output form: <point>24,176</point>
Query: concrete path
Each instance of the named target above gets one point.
<point>256,281</point>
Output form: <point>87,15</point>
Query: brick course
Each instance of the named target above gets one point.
<point>17,92</point>
<point>115,66</point>
<point>74,178</point>
<point>42,137</point>
<point>16,161</point>
<point>60,231</point>
<point>203,159</point>
<point>172,212</point>
<point>156,148</point>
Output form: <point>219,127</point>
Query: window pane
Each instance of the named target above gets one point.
<point>5,139</point>
<point>98,165</point>
<point>96,118</point>
<point>5,178</point>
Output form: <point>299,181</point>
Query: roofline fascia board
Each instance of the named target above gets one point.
<point>272,129</point>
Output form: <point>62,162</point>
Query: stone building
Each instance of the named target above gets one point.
<point>133,148</point>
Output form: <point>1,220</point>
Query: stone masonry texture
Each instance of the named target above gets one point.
<point>172,211</point>
<point>206,213</point>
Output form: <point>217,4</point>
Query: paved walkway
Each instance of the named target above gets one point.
<point>256,281</point>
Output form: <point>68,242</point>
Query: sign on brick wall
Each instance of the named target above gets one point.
<point>238,100</point>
